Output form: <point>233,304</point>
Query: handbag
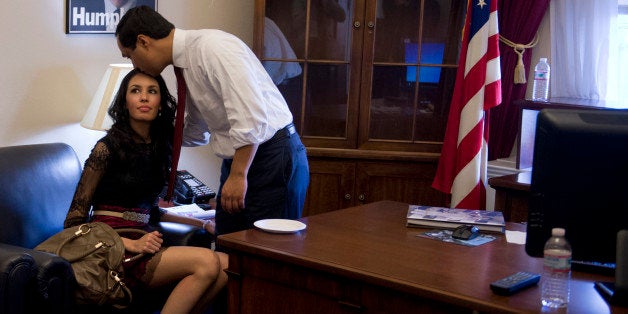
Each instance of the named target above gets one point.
<point>96,253</point>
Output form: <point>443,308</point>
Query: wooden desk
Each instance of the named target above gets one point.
<point>364,259</point>
<point>512,193</point>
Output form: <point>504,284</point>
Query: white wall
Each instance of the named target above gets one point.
<point>47,77</point>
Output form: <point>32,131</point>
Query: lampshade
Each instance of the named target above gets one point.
<point>96,117</point>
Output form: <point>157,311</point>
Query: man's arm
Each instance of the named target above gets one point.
<point>234,189</point>
<point>195,130</point>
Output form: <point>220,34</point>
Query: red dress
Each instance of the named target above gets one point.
<point>138,269</point>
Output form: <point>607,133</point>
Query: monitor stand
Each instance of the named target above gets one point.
<point>617,292</point>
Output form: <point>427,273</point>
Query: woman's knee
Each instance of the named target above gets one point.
<point>208,265</point>
<point>224,260</point>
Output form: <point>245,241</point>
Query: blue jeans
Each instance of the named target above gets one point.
<point>277,183</point>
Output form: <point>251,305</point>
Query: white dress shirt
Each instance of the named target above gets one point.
<point>229,93</point>
<point>277,46</point>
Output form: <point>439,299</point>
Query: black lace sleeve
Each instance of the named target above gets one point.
<point>155,214</point>
<point>93,171</point>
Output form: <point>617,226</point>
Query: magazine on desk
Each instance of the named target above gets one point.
<point>450,218</point>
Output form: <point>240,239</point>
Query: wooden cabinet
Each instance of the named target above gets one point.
<point>408,182</point>
<point>369,83</point>
<point>337,183</point>
<point>332,186</point>
<point>512,194</point>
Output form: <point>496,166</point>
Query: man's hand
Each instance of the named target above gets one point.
<point>233,193</point>
<point>234,190</point>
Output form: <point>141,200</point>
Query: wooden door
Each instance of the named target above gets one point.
<point>409,67</point>
<point>325,38</point>
<point>408,182</point>
<point>332,186</point>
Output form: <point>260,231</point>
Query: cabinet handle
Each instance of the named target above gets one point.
<point>347,196</point>
<point>361,197</point>
<point>371,24</point>
<point>357,24</point>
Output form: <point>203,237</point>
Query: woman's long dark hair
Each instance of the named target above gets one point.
<point>161,129</point>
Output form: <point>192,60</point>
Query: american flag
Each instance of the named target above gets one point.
<point>462,165</point>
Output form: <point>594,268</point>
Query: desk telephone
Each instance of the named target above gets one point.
<point>189,189</point>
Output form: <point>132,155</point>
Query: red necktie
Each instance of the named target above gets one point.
<point>178,132</point>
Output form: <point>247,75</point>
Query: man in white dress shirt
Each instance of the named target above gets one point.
<point>231,97</point>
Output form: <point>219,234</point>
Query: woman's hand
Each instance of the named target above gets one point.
<point>209,226</point>
<point>148,243</point>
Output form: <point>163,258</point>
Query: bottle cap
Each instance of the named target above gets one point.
<point>543,59</point>
<point>558,232</point>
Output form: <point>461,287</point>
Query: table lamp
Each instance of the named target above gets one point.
<point>96,117</point>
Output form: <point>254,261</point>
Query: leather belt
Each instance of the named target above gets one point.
<point>284,132</point>
<point>131,216</point>
<point>290,129</point>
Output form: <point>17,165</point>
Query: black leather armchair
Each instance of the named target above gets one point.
<point>37,183</point>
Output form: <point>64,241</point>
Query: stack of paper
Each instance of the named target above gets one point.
<point>192,210</point>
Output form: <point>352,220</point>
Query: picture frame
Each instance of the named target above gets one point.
<point>98,16</point>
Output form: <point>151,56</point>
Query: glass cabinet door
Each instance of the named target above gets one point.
<point>319,36</point>
<point>413,61</point>
<point>366,74</point>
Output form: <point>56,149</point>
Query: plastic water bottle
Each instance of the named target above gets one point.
<point>556,270</point>
<point>540,90</point>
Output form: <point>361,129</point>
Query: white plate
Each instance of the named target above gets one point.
<point>280,225</point>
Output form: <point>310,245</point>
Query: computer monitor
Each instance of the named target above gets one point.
<point>431,53</point>
<point>580,183</point>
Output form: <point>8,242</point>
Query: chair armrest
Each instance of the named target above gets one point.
<point>55,283</point>
<point>16,271</point>
<point>49,287</point>
<point>176,234</point>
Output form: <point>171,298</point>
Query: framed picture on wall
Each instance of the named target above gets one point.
<point>99,16</point>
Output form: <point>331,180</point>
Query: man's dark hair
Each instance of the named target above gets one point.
<point>141,20</point>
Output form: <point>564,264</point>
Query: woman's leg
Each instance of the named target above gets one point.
<point>221,281</point>
<point>199,273</point>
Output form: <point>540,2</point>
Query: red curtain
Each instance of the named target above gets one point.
<point>518,22</point>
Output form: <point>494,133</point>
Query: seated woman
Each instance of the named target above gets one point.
<point>125,172</point>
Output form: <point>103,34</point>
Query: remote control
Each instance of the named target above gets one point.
<point>515,282</point>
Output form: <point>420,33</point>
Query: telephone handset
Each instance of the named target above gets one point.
<point>189,189</point>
